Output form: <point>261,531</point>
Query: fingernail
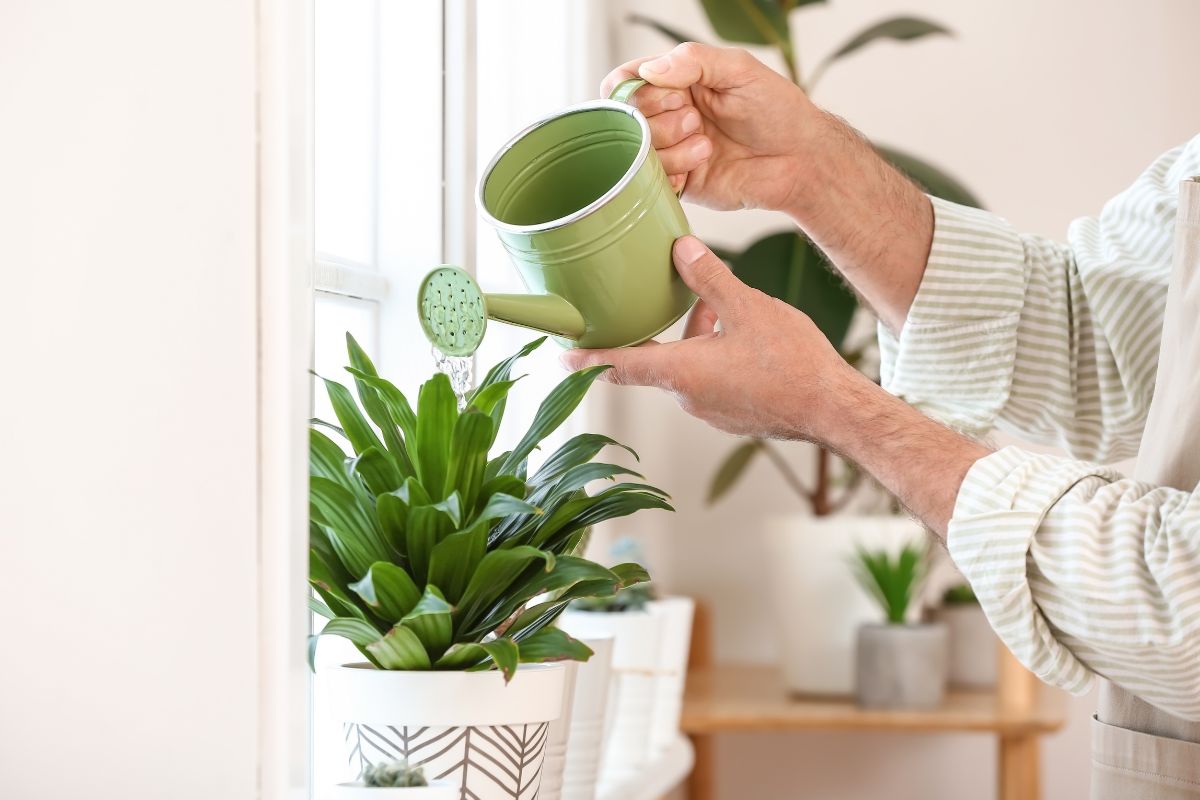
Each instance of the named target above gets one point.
<point>689,249</point>
<point>701,147</point>
<point>691,123</point>
<point>657,66</point>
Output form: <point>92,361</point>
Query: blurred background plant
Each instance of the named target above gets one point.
<point>393,774</point>
<point>787,265</point>
<point>893,582</point>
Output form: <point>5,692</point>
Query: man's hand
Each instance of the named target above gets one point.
<point>768,371</point>
<point>729,130</point>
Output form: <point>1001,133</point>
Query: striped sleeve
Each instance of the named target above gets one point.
<point>1081,571</point>
<point>1057,343</point>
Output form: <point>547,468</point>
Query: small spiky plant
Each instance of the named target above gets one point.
<point>426,550</point>
<point>393,774</point>
<point>892,582</point>
<point>960,595</point>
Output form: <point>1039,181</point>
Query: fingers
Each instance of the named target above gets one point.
<point>708,277</point>
<point>691,63</point>
<point>701,321</point>
<point>647,364</point>
<point>672,127</point>
<point>685,156</point>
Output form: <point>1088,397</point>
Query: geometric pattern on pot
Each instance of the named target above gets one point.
<point>487,762</point>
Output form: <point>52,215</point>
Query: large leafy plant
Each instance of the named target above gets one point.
<point>428,552</point>
<point>787,265</point>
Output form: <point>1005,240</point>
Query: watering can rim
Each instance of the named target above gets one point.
<point>595,205</point>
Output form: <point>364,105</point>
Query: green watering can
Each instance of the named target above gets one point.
<point>582,205</point>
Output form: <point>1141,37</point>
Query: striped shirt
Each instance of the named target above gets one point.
<point>1080,570</point>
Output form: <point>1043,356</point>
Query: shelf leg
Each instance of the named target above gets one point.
<point>702,783</point>
<point>1018,768</point>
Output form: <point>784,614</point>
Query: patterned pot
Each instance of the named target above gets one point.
<point>468,729</point>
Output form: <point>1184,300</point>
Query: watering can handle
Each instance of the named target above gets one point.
<point>625,89</point>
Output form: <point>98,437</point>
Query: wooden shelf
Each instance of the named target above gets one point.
<point>752,698</point>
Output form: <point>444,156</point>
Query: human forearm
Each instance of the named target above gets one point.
<point>872,222</point>
<point>917,459</point>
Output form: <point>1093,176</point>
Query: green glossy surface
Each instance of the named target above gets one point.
<point>613,264</point>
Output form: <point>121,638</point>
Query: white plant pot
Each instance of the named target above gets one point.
<point>468,729</point>
<point>636,649</point>
<point>817,602</point>
<point>675,644</point>
<point>588,712</point>
<point>557,739</point>
<point>437,790</point>
<point>973,646</point>
<point>901,666</point>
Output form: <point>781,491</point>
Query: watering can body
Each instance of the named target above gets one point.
<point>587,216</point>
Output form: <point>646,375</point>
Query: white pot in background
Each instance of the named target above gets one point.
<point>437,790</point>
<point>636,648</point>
<point>817,602</point>
<point>676,640</point>
<point>973,645</point>
<point>466,728</point>
<point>585,744</point>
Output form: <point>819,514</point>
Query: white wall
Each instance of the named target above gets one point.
<point>1045,109</point>
<point>128,510</point>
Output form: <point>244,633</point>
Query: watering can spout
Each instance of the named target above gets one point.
<point>454,312</point>
<point>544,312</point>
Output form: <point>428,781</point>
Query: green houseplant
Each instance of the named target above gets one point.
<point>900,664</point>
<point>446,565</point>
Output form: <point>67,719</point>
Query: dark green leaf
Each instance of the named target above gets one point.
<point>554,410</point>
<point>437,412</point>
<point>503,370</point>
<point>494,579</point>
<point>393,519</point>
<point>452,507</point>
<point>469,445</point>
<point>327,460</point>
<point>395,402</point>
<point>552,644</point>
<point>930,178</point>
<point>788,267</point>
<point>454,559</point>
<point>375,407</point>
<point>377,471</point>
<point>358,430</point>
<point>580,476</point>
<point>430,620</point>
<point>732,468</point>
<point>503,505</point>
<point>357,631</point>
<point>575,451</point>
<point>426,527</point>
<point>749,21</point>
<point>502,653</point>
<point>354,535</point>
<point>901,29</point>
<point>400,649</point>
<point>388,590</point>
<point>413,494</point>
<point>330,580</point>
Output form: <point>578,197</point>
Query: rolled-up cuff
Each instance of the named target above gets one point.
<point>954,357</point>
<point>1001,504</point>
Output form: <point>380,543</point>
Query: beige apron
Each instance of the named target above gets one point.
<point>1138,751</point>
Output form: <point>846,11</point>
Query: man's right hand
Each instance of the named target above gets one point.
<point>730,131</point>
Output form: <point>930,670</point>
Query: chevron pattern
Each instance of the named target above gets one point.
<point>490,762</point>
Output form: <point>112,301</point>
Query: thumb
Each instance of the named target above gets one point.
<point>708,276</point>
<point>691,63</point>
<point>647,364</point>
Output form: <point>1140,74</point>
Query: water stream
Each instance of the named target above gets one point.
<point>460,370</point>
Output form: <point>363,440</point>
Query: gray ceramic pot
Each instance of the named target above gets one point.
<point>973,646</point>
<point>901,666</point>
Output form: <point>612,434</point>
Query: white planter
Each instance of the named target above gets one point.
<point>973,646</point>
<point>818,604</point>
<point>675,644</point>
<point>585,744</point>
<point>469,729</point>
<point>557,739</point>
<point>901,666</point>
<point>356,791</point>
<point>636,648</point>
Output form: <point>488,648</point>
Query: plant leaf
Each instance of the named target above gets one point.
<point>748,21</point>
<point>473,434</point>
<point>357,631</point>
<point>495,577</point>
<point>319,608</point>
<point>503,370</point>
<point>504,505</point>
<point>378,471</point>
<point>454,560</point>
<point>933,180</point>
<point>355,536</point>
<point>437,411</point>
<point>396,404</point>
<point>503,653</point>
<point>554,410</point>
<point>326,459</point>
<point>375,407</point>
<point>732,468</point>
<point>426,527</point>
<point>400,649</point>
<point>552,644</point>
<point>901,29</point>
<point>575,451</point>
<point>357,429</point>
<point>388,590</point>
<point>431,622</point>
